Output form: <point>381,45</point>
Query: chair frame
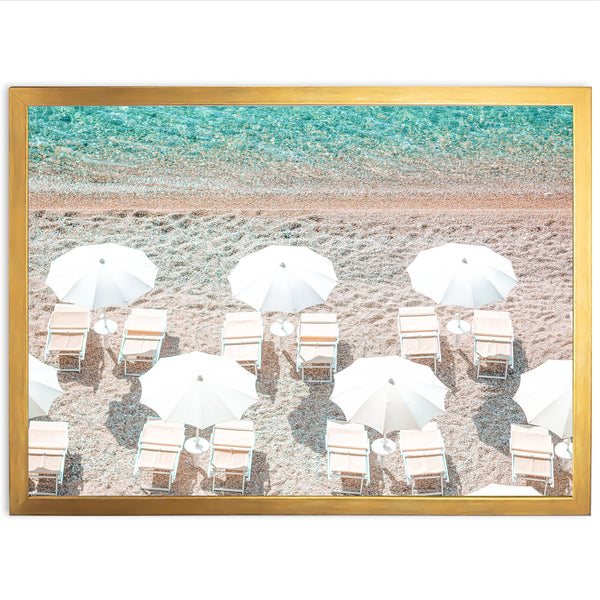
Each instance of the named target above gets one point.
<point>364,479</point>
<point>413,479</point>
<point>214,471</point>
<point>478,361</point>
<point>80,356</point>
<point>535,455</point>
<point>172,474</point>
<point>158,337</point>
<point>301,366</point>
<point>406,335</point>
<point>58,477</point>
<point>233,341</point>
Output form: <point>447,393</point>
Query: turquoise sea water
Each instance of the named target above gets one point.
<point>254,147</point>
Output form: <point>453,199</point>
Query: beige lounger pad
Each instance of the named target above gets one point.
<point>140,325</point>
<point>349,437</point>
<point>230,460</point>
<point>163,434</point>
<point>66,342</point>
<point>317,354</point>
<point>145,347</point>
<point>415,440</point>
<point>157,460</point>
<point>419,346</point>
<point>348,463</point>
<point>45,464</point>
<point>532,467</point>
<point>48,436</point>
<point>492,328</point>
<point>530,439</point>
<point>70,320</point>
<point>242,352</point>
<point>314,332</point>
<point>236,438</point>
<point>418,323</point>
<point>242,329</point>
<point>494,350</point>
<point>420,466</point>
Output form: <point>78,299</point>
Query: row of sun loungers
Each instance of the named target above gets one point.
<point>232,444</point>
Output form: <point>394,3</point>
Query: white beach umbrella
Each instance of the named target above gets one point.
<point>101,275</point>
<point>389,393</point>
<point>43,387</point>
<point>462,275</point>
<point>198,389</point>
<point>497,489</point>
<point>546,396</point>
<point>282,279</point>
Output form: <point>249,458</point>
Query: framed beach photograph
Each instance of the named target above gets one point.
<point>300,300</point>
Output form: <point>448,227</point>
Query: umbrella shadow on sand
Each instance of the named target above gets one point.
<point>170,346</point>
<point>446,369</point>
<point>308,421</point>
<point>127,417</point>
<point>73,476</point>
<point>268,376</point>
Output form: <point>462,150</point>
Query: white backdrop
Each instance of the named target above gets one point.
<point>294,43</point>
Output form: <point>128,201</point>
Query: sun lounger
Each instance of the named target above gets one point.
<point>419,332</point>
<point>318,335</point>
<point>532,454</point>
<point>493,341</point>
<point>48,443</point>
<point>242,337</point>
<point>424,457</point>
<point>67,334</point>
<point>143,334</point>
<point>231,447</point>
<point>348,454</point>
<point>159,448</point>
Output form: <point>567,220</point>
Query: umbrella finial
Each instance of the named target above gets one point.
<point>464,260</point>
<point>391,381</point>
<point>102,261</point>
<point>199,378</point>
<point>282,265</point>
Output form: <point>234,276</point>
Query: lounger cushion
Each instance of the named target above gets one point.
<point>414,440</point>
<point>492,328</point>
<point>145,347</point>
<point>61,342</point>
<point>140,324</point>
<point>347,436</point>
<point>536,440</point>
<point>420,466</point>
<point>230,460</point>
<point>421,346</point>
<point>322,354</point>
<point>71,321</point>
<point>45,464</point>
<point>157,460</point>
<point>242,329</point>
<point>235,438</point>
<point>498,350</point>
<point>532,467</point>
<point>315,332</point>
<point>418,323</point>
<point>48,435</point>
<point>163,434</point>
<point>243,352</point>
<point>355,464</point>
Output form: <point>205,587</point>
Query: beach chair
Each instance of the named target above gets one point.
<point>317,336</point>
<point>159,448</point>
<point>493,339</point>
<point>48,443</point>
<point>242,337</point>
<point>424,457</point>
<point>419,332</point>
<point>348,454</point>
<point>532,454</point>
<point>231,447</point>
<point>67,334</point>
<point>143,334</point>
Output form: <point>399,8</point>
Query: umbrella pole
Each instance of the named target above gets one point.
<point>197,438</point>
<point>459,311</point>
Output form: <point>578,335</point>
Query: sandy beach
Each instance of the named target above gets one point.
<point>195,245</point>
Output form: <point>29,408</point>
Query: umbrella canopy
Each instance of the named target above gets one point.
<point>462,275</point>
<point>43,387</point>
<point>546,396</point>
<point>497,489</point>
<point>101,275</point>
<point>198,389</point>
<point>282,279</point>
<point>389,393</point>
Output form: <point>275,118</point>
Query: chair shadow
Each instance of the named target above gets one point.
<point>73,476</point>
<point>259,483</point>
<point>446,367</point>
<point>170,346</point>
<point>127,417</point>
<point>308,421</point>
<point>268,375</point>
<point>92,366</point>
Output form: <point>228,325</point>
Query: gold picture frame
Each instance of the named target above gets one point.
<point>21,98</point>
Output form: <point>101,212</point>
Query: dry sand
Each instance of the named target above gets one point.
<point>196,249</point>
